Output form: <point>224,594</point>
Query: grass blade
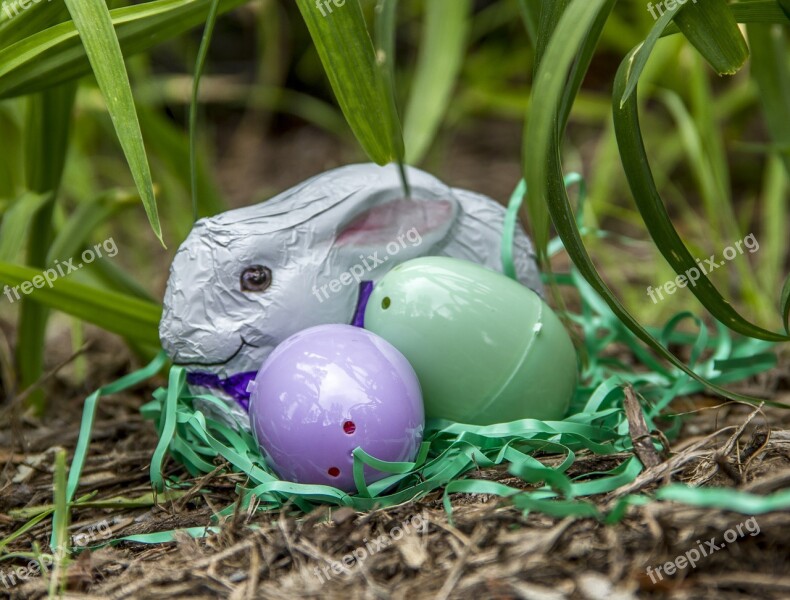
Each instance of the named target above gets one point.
<point>440,58</point>
<point>85,219</point>
<point>712,29</point>
<point>29,21</point>
<point>639,56</point>
<point>47,133</point>
<point>169,147</point>
<point>769,70</point>
<point>129,317</point>
<point>585,32</point>
<point>530,14</point>
<point>360,85</point>
<point>92,20</point>
<point>60,524</point>
<point>200,64</point>
<point>17,222</point>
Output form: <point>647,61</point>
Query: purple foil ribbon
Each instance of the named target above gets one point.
<point>236,385</point>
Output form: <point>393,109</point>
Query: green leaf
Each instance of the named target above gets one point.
<point>25,22</point>
<point>785,4</point>
<point>656,218</point>
<point>117,280</point>
<point>637,59</point>
<point>47,133</point>
<point>60,523</point>
<point>360,85</point>
<point>17,222</point>
<point>129,317</point>
<point>439,61</point>
<point>549,16</point>
<point>769,69</point>
<point>386,25</point>
<point>384,44</point>
<point>582,45</point>
<point>56,55</point>
<point>200,64</point>
<point>530,14</point>
<point>92,19</point>
<point>168,146</point>
<point>784,303</point>
<point>544,169</point>
<point>712,29</point>
<point>84,220</point>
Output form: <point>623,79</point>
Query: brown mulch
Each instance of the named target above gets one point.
<point>491,550</point>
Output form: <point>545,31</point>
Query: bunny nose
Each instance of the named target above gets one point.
<point>195,344</point>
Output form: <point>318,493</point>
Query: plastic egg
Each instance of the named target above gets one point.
<point>485,348</point>
<point>328,389</point>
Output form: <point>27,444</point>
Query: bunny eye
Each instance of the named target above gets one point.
<point>256,278</point>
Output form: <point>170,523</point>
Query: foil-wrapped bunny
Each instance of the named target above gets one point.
<point>245,280</point>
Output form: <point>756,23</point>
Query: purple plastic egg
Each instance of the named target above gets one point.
<point>328,389</point>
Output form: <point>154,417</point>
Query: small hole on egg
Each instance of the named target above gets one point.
<point>385,304</point>
<point>349,427</point>
<point>333,471</point>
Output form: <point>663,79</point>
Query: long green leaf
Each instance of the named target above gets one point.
<point>47,133</point>
<point>200,64</point>
<point>385,26</point>
<point>751,11</point>
<point>17,222</point>
<point>784,303</point>
<point>56,55</point>
<point>770,71</point>
<point>343,43</point>
<point>59,540</point>
<point>712,29</point>
<point>84,220</point>
<point>130,317</point>
<point>549,17</point>
<point>438,63</point>
<point>25,22</point>
<point>92,19</point>
<point>544,171</point>
<point>586,35</point>
<point>168,146</point>
<point>530,14</point>
<point>637,59</point>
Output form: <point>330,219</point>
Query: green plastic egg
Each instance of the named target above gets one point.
<point>485,348</point>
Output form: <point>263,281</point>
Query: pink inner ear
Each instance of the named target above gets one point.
<point>382,224</point>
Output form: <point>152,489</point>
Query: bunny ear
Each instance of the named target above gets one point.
<point>383,223</point>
